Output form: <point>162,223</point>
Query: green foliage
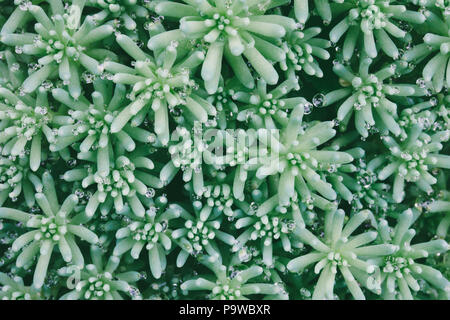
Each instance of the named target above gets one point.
<point>224,149</point>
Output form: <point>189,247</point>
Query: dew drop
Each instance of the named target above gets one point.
<point>318,100</point>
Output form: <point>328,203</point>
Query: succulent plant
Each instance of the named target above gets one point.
<point>127,12</point>
<point>15,289</point>
<point>159,84</point>
<point>100,279</point>
<point>118,182</point>
<point>91,122</point>
<point>339,250</point>
<point>16,178</point>
<point>368,97</point>
<point>436,43</point>
<point>374,22</point>
<point>25,123</point>
<point>295,156</point>
<point>62,44</point>
<point>149,232</point>
<point>302,49</point>
<point>53,228</point>
<point>260,103</point>
<point>270,224</point>
<point>411,159</point>
<point>224,149</point>
<point>400,270</point>
<point>228,285</point>
<point>198,233</point>
<point>230,30</point>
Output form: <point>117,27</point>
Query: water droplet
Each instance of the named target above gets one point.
<point>318,100</point>
<point>308,108</point>
<point>150,193</point>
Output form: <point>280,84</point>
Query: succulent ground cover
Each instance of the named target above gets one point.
<point>224,149</point>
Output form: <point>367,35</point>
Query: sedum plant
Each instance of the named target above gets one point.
<point>198,233</point>
<point>118,182</point>
<point>355,183</point>
<point>126,12</point>
<point>90,122</point>
<point>435,43</point>
<point>261,103</point>
<point>15,289</point>
<point>25,122</point>
<point>16,179</point>
<point>339,250</point>
<point>410,160</point>
<point>400,271</point>
<point>224,149</point>
<point>299,158</point>
<point>60,45</point>
<point>368,97</point>
<point>270,224</point>
<point>302,50</point>
<point>158,84</point>
<point>230,30</point>
<point>375,23</point>
<point>150,233</point>
<point>12,71</point>
<point>100,279</point>
<point>54,227</point>
<point>226,285</point>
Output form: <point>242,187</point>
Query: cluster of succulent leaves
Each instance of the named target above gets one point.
<point>350,201</point>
